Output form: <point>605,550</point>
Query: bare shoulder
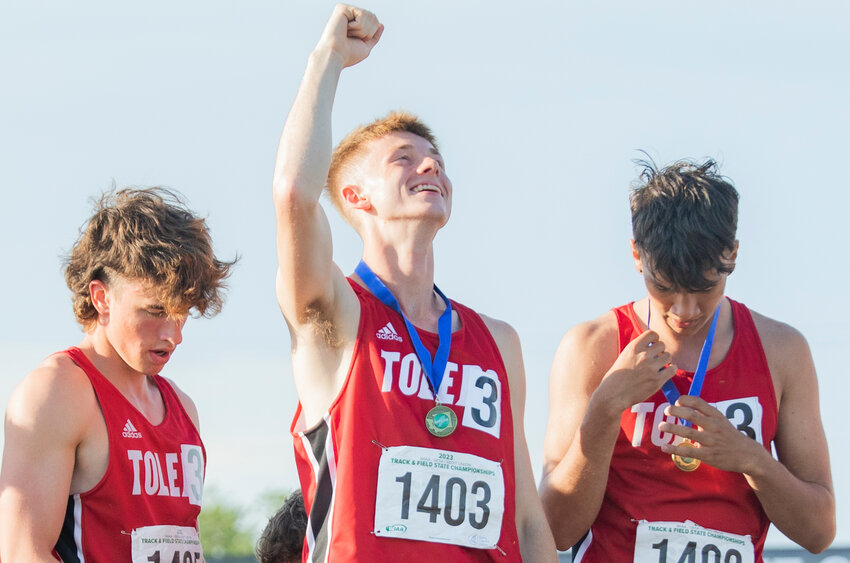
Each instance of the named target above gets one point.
<point>777,335</point>
<point>57,389</point>
<point>589,349</point>
<point>50,414</point>
<point>787,352</point>
<point>503,333</point>
<point>187,402</point>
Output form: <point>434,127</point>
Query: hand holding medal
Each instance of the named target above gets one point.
<point>683,462</point>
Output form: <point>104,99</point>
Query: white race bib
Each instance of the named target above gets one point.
<point>439,496</point>
<point>686,542</point>
<point>166,544</point>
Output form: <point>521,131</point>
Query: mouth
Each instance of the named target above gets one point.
<point>161,355</point>
<point>684,324</point>
<point>426,188</point>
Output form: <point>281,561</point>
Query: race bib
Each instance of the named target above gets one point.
<point>686,542</point>
<point>166,544</point>
<point>439,496</point>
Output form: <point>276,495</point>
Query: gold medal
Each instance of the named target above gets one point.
<point>441,421</point>
<point>686,463</point>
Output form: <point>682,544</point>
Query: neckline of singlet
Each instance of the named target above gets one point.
<point>457,334</point>
<point>639,326</point>
<point>78,356</point>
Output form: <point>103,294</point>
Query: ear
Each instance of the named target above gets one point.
<point>353,197</point>
<point>99,294</point>
<point>636,256</point>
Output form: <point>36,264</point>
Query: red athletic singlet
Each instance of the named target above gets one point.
<point>368,497</point>
<point>154,478</point>
<point>644,487</point>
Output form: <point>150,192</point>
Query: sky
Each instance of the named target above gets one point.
<point>540,109</point>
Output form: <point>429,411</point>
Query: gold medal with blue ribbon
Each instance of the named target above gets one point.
<point>441,421</point>
<point>686,463</point>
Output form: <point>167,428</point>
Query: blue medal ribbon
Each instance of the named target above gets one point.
<point>669,388</point>
<point>433,370</point>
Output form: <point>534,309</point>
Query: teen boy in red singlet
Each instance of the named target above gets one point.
<point>623,463</point>
<point>103,460</point>
<point>409,437</point>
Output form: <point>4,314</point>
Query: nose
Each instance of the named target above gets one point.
<point>685,306</point>
<point>429,164</point>
<point>172,330</point>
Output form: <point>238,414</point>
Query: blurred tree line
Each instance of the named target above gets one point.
<point>231,529</point>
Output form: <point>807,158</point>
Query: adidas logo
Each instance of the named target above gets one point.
<point>388,333</point>
<point>130,431</point>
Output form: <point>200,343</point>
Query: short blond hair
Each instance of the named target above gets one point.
<point>352,145</point>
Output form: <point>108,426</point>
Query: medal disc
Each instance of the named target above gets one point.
<point>441,421</point>
<point>686,463</point>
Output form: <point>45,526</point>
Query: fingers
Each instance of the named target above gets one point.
<point>362,24</point>
<point>648,339</point>
<point>692,409</point>
<point>350,33</point>
<point>689,432</point>
<point>692,450</point>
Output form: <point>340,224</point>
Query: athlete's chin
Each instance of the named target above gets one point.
<point>154,363</point>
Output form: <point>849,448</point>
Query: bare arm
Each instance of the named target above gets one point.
<point>796,491</point>
<point>45,421</point>
<point>535,539</point>
<point>590,387</point>
<point>308,282</point>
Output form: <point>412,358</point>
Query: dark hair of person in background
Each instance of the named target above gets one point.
<point>283,537</point>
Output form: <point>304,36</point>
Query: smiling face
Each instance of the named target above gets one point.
<point>400,176</point>
<point>135,323</point>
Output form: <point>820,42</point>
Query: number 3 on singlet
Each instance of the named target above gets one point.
<point>439,496</point>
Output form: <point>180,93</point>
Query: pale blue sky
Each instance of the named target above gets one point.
<point>540,108</point>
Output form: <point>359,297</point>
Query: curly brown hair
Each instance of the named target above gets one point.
<point>352,144</point>
<point>147,234</point>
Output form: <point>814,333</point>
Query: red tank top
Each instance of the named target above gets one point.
<point>154,477</point>
<point>644,485</point>
<point>366,495</point>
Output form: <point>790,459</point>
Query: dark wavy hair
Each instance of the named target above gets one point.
<point>283,538</point>
<point>684,220</point>
<point>147,234</point>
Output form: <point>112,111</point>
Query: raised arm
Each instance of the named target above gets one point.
<point>589,388</point>
<point>44,425</point>
<point>308,283</point>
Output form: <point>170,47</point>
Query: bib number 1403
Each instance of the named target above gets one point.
<point>454,500</point>
<point>439,496</point>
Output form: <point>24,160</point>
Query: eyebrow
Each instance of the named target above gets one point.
<point>408,146</point>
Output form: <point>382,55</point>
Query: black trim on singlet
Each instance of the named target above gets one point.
<point>66,547</point>
<point>321,506</point>
<point>577,546</point>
